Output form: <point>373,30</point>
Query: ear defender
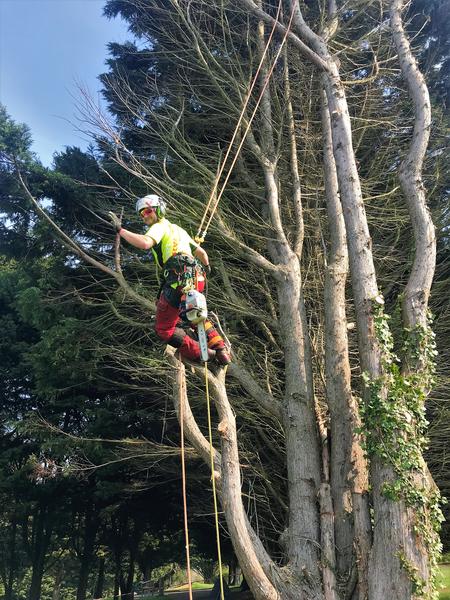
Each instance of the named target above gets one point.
<point>161,209</point>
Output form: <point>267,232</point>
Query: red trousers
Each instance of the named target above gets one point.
<point>167,327</point>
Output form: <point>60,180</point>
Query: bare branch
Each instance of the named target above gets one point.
<point>248,382</point>
<point>294,39</point>
<point>77,249</point>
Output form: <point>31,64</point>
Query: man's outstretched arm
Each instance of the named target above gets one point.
<point>144,242</point>
<point>135,239</point>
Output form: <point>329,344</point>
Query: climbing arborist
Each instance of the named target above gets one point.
<point>180,267</point>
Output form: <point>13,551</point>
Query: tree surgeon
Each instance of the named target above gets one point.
<point>181,268</point>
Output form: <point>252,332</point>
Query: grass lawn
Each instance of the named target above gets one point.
<point>444,594</point>
<point>197,585</point>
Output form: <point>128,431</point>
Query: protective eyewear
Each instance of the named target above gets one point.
<point>146,212</point>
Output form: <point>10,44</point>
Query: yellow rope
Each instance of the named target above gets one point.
<point>216,511</point>
<point>200,237</point>
<point>183,476</point>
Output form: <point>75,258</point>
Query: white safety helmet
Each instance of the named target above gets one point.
<point>152,201</point>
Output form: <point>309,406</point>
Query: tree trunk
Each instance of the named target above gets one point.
<point>231,500</point>
<point>42,533</point>
<point>129,584</point>
<point>233,571</point>
<point>117,575</point>
<point>56,594</point>
<point>90,532</point>
<point>100,581</point>
<point>348,472</point>
<point>10,569</point>
<point>299,418</point>
<point>398,550</point>
<point>300,428</point>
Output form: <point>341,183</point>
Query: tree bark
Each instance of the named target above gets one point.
<point>100,581</point>
<point>90,531</point>
<point>10,570</point>
<point>56,594</point>
<point>299,419</point>
<point>349,476</point>
<point>397,548</point>
<point>415,303</point>
<point>42,530</point>
<point>231,500</point>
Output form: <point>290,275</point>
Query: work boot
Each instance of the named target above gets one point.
<point>223,357</point>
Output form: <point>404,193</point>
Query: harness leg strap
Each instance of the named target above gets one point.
<point>166,328</point>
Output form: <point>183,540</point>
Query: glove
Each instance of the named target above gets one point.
<point>208,270</point>
<point>115,221</point>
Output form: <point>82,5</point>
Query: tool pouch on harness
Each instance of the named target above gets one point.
<point>182,269</point>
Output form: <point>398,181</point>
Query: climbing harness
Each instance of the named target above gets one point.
<point>183,270</point>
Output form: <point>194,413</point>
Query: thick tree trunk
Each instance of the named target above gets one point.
<point>349,476</point>
<point>41,539</point>
<point>252,557</point>
<point>90,532</point>
<point>56,594</point>
<point>302,447</point>
<point>231,500</point>
<point>364,283</point>
<point>10,568</point>
<point>100,581</point>
<point>299,418</point>
<point>398,550</point>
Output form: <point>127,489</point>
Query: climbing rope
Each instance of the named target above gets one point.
<point>183,476</point>
<point>241,116</point>
<point>200,237</point>
<point>213,480</point>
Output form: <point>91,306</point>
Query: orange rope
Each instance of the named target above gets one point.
<point>241,116</point>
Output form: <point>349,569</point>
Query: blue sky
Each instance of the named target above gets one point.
<point>46,47</point>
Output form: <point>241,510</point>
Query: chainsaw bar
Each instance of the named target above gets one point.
<point>203,341</point>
